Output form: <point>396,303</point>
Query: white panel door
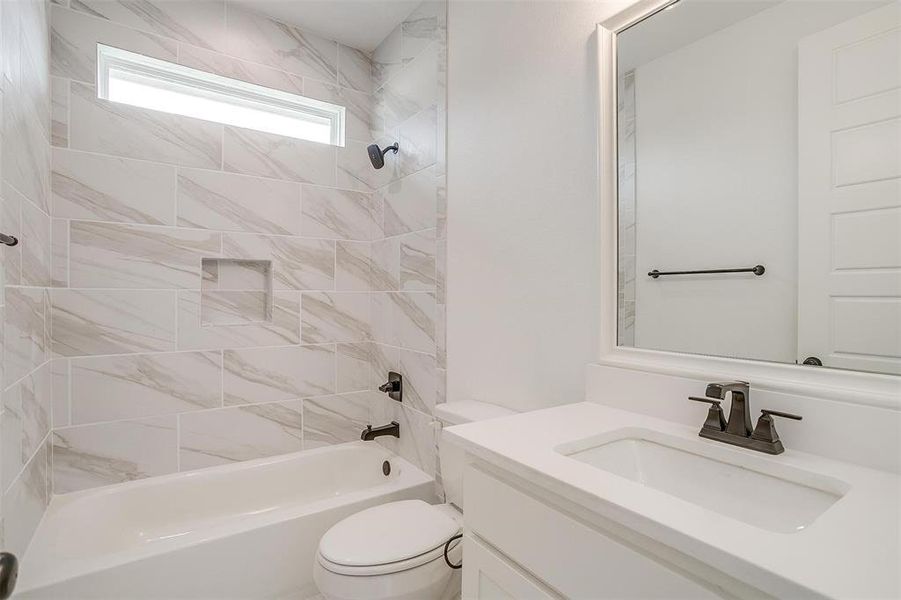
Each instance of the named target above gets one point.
<point>849,185</point>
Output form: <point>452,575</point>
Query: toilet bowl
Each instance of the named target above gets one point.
<point>393,551</point>
<point>396,551</point>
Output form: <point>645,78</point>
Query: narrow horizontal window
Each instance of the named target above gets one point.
<point>156,84</point>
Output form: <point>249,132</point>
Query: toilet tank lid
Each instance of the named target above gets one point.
<point>468,411</point>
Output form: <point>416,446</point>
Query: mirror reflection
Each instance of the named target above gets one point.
<point>759,182</point>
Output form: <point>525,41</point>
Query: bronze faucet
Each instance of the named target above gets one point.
<point>737,429</point>
<point>370,433</point>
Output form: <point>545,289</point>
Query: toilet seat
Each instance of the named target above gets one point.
<point>389,568</point>
<point>385,539</point>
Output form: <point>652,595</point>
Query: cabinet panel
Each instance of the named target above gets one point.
<point>488,576</point>
<point>571,556</point>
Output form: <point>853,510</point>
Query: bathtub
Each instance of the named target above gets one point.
<point>248,530</point>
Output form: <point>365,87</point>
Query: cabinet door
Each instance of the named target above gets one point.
<point>488,576</point>
<point>574,558</point>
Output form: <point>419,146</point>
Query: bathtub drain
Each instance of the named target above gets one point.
<point>386,468</point>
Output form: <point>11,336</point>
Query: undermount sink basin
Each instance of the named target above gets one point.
<point>751,489</point>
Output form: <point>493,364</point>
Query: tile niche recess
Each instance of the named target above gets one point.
<point>235,291</point>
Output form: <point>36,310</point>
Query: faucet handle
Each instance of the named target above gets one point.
<point>394,387</point>
<point>765,430</point>
<point>706,400</point>
<point>785,415</point>
<point>716,420</point>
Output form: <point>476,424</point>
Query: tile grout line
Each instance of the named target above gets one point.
<point>223,232</point>
<point>69,386</point>
<point>199,411</point>
<point>175,189</point>
<point>175,329</point>
<point>178,443</point>
<point>68,253</point>
<point>222,378</point>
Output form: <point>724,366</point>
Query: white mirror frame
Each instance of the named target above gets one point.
<point>871,389</point>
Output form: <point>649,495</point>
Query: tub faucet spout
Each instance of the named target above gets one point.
<point>370,433</point>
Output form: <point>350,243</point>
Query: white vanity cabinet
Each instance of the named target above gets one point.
<point>487,575</point>
<point>521,546</point>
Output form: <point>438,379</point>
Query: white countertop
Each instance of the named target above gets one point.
<point>853,550</point>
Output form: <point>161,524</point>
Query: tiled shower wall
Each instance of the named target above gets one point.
<point>160,365</point>
<point>408,250</point>
<point>625,94</point>
<point>24,270</point>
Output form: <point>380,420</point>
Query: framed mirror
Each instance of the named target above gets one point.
<point>759,182</point>
<point>753,150</point>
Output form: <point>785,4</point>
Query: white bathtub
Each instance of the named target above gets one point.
<point>248,530</point>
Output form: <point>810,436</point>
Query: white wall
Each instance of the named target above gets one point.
<point>716,127</point>
<point>523,265</point>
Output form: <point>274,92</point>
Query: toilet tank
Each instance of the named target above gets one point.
<point>451,455</point>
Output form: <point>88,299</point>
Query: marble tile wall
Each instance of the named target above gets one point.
<point>160,364</point>
<point>25,270</point>
<point>151,372</point>
<point>626,210</point>
<point>408,251</point>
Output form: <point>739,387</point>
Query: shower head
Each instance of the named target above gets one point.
<point>377,155</point>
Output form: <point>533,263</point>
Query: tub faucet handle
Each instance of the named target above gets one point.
<point>9,569</point>
<point>394,387</point>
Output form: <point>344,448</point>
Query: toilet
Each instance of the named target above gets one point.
<point>396,550</point>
